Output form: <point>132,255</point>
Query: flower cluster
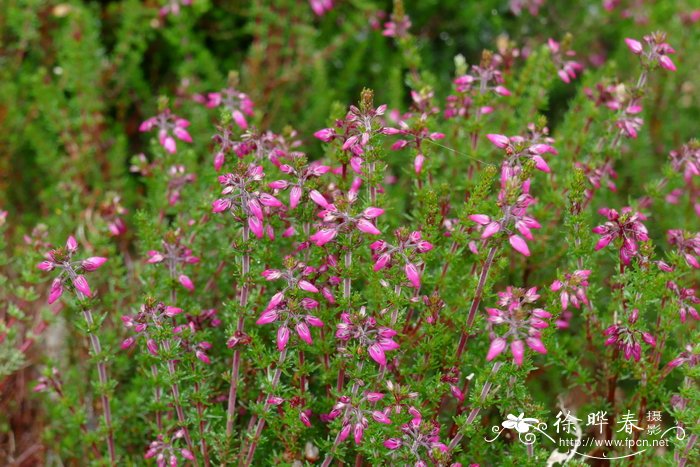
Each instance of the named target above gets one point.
<point>337,219</point>
<point>514,213</point>
<point>408,244</point>
<point>242,198</point>
<point>356,130</point>
<point>567,69</point>
<point>237,103</point>
<point>417,435</point>
<point>355,416</point>
<point>365,332</point>
<point>626,226</point>
<point>627,340</point>
<point>572,289</point>
<point>71,271</point>
<point>657,50</point>
<point>686,300</point>
<point>165,452</point>
<point>168,125</point>
<point>522,323</point>
<point>173,255</point>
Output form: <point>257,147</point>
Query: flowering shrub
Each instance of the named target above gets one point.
<point>430,271</point>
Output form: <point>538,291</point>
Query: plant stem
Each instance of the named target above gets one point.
<point>475,411</point>
<point>476,300</point>
<point>261,422</point>
<point>159,416</point>
<point>175,389</point>
<point>236,364</point>
<point>102,375</point>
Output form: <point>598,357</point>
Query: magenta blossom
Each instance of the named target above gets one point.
<point>72,271</point>
<point>514,217</point>
<point>657,50</point>
<point>169,126</point>
<point>518,149</point>
<point>243,199</point>
<point>355,415</point>
<point>408,246</point>
<point>291,314</point>
<point>687,245</point>
<point>398,26</point>
<point>627,340</point>
<point>321,7</point>
<point>363,329</point>
<point>174,256</point>
<point>302,175</point>
<point>626,226</point>
<point>165,452</point>
<point>237,103</point>
<point>419,435</point>
<point>572,289</point>
<point>561,55</point>
<point>686,300</point>
<point>336,220</point>
<point>523,324</point>
<point>356,130</point>
<point>686,160</point>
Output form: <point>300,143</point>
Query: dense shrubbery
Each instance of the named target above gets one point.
<point>288,232</point>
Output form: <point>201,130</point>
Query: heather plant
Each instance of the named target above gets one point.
<point>361,235</point>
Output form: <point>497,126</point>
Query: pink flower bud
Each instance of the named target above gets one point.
<point>392,443</point>
<point>325,135</point>
<point>323,236</point>
<point>501,91</point>
<point>500,141</point>
<point>496,348</point>
<point>382,261</point>
<point>519,245</point>
<point>93,263</point>
<point>480,219</point>
<point>187,454</point>
<point>186,282</point>
<point>152,347</point>
<point>172,311</point>
<point>377,354</point>
<point>270,201</point>
<point>45,266</point>
<point>307,286</point>
<point>294,197</point>
<point>380,417</point>
<point>56,290</point>
<point>344,432</point>
<point>491,229</point>
<point>182,134</point>
<point>518,350</point>
<point>71,244</point>
<point>372,213</point>
<point>239,119</point>
<point>367,227</point>
<point>358,432</point>
<point>374,396</point>
<point>282,337</point>
<point>667,63</point>
<point>82,286</point>
<point>202,357</point>
<point>256,226</point>
<point>634,45</point>
<point>304,333</point>
<point>127,343</point>
<point>220,205</point>
<point>536,345</point>
<point>267,317</point>
<point>412,275</point>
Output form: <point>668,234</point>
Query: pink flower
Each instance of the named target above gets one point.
<point>523,323</point>
<point>627,226</point>
<point>93,263</point>
<point>167,124</point>
<point>412,275</point>
<point>572,289</point>
<point>362,328</point>
<point>186,282</point>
